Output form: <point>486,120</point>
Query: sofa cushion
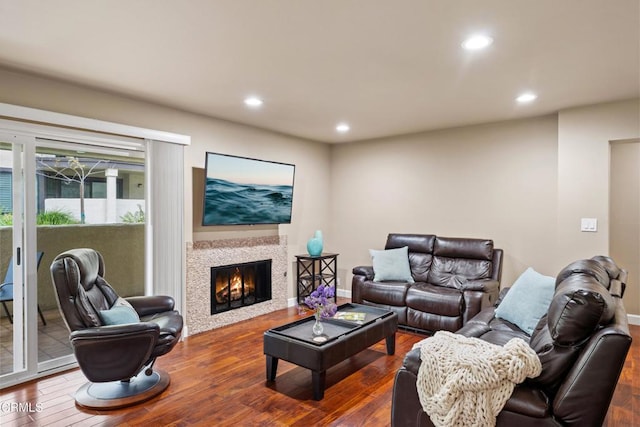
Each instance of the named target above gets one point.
<point>420,265</point>
<point>456,247</point>
<point>391,264</point>
<point>435,299</point>
<point>527,300</point>
<point>588,267</point>
<point>422,243</point>
<point>432,322</point>
<point>492,329</point>
<point>454,272</point>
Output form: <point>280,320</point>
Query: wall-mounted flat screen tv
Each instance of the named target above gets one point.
<point>241,190</point>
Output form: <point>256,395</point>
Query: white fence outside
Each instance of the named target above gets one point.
<point>95,210</point>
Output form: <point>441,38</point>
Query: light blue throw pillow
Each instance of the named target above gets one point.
<point>119,315</point>
<point>527,300</point>
<point>391,264</point>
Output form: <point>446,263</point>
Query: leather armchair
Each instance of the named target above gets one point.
<point>582,343</point>
<point>112,357</point>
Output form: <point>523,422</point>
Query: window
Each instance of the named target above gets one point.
<point>112,183</point>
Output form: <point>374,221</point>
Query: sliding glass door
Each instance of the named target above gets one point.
<point>18,257</point>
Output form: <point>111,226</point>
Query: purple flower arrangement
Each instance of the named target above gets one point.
<point>320,301</point>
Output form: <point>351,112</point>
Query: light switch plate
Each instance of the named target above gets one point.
<point>589,224</point>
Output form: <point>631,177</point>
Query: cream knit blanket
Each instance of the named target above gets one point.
<point>466,381</point>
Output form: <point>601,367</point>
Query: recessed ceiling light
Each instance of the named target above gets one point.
<point>253,101</point>
<point>343,127</point>
<point>477,42</point>
<point>526,97</point>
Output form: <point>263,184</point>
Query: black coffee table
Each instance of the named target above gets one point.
<point>294,342</point>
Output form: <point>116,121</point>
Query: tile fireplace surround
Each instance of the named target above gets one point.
<point>203,255</point>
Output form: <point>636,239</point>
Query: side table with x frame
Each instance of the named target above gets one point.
<point>312,271</point>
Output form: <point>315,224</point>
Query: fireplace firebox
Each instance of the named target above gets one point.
<point>240,285</point>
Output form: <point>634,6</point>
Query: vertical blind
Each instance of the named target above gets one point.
<point>165,183</point>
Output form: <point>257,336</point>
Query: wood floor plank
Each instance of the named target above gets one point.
<point>218,378</point>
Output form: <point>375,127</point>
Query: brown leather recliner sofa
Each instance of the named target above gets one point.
<point>455,278</point>
<point>582,342</point>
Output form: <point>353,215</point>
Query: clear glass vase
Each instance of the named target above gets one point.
<point>318,329</point>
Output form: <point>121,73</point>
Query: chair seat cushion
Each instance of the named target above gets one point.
<point>6,292</point>
<point>435,299</point>
<point>170,322</point>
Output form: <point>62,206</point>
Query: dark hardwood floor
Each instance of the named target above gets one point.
<point>218,379</point>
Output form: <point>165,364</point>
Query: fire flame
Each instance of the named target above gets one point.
<point>236,285</point>
<point>233,288</point>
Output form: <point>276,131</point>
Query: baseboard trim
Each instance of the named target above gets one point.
<point>633,319</point>
<point>344,293</point>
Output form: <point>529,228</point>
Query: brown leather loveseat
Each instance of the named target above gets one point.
<point>582,342</point>
<point>454,278</point>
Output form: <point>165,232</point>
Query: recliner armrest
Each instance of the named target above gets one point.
<point>412,361</point>
<point>366,271</point>
<point>528,401</point>
<point>484,285</point>
<point>110,331</point>
<point>152,304</point>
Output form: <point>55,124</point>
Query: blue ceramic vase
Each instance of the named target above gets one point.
<point>314,245</point>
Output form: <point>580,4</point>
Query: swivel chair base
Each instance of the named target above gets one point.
<point>120,394</point>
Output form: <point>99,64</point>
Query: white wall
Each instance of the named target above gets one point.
<point>494,181</point>
<point>583,164</point>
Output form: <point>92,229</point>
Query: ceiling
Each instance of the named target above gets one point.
<point>386,67</point>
